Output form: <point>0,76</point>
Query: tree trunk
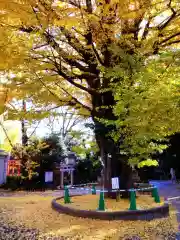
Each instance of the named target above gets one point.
<point>23,127</point>
<point>115,165</point>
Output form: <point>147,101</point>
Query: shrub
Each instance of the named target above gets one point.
<point>13,182</point>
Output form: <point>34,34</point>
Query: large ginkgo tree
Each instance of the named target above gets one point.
<point>65,52</point>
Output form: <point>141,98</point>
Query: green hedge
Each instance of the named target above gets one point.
<point>13,182</point>
<point>19,183</point>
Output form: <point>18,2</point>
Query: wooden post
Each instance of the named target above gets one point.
<point>72,177</point>
<point>62,179</point>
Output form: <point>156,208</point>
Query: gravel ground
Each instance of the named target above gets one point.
<point>8,232</point>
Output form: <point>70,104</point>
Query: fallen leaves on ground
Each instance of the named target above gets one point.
<point>90,202</point>
<point>34,213</point>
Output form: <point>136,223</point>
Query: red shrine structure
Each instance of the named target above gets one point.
<point>13,168</point>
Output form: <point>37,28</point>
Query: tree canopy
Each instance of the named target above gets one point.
<point>58,50</point>
<point>148,106</point>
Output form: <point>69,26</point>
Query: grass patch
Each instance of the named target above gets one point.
<point>35,212</point>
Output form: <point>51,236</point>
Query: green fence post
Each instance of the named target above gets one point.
<point>66,195</point>
<point>101,202</point>
<point>132,200</point>
<point>156,195</point>
<point>152,192</point>
<point>93,190</point>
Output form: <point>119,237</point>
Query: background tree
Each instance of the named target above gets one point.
<point>89,166</point>
<point>63,120</point>
<point>39,156</point>
<point>170,157</point>
<point>11,137</point>
<point>68,126</point>
<point>52,152</point>
<point>63,50</point>
<point>29,157</point>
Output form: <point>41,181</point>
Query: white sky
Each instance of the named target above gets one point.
<point>41,131</point>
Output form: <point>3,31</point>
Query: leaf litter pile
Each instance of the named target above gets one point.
<point>30,217</point>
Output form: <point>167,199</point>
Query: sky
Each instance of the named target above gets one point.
<point>40,128</point>
<point>41,131</point>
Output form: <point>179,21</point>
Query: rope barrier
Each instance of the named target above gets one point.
<point>173,198</point>
<point>114,190</point>
<point>83,184</point>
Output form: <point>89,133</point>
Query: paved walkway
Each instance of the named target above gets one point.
<point>55,193</point>
<point>171,192</point>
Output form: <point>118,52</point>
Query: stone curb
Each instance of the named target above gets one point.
<point>145,215</point>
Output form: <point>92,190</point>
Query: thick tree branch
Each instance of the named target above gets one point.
<point>166,22</point>
<point>146,29</point>
<point>169,38</point>
<point>88,56</point>
<point>1,123</point>
<point>75,43</point>
<point>80,86</point>
<point>172,42</point>
<point>77,101</point>
<point>89,6</point>
<point>34,130</point>
<point>68,59</point>
<point>54,94</point>
<point>28,29</point>
<point>73,3</point>
<point>60,70</point>
<point>97,54</point>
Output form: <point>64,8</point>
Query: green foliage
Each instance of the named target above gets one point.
<point>38,156</point>
<point>81,143</point>
<point>74,141</point>
<point>147,107</point>
<point>9,136</point>
<point>29,156</point>
<point>148,163</point>
<point>52,152</point>
<point>87,170</point>
<point>13,182</point>
<point>85,148</point>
